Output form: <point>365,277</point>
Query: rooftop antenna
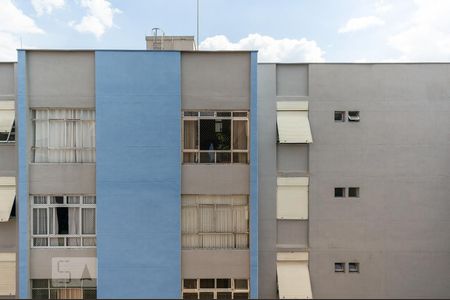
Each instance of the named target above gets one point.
<point>158,44</point>
<point>198,21</point>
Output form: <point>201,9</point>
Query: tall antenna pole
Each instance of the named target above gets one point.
<point>198,20</point>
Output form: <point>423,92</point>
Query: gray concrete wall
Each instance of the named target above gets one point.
<point>7,81</point>
<point>215,263</point>
<point>215,80</point>
<point>292,80</point>
<point>8,159</point>
<point>51,179</point>
<point>278,83</point>
<point>61,79</point>
<point>292,159</point>
<point>220,179</point>
<point>8,236</point>
<point>267,124</point>
<point>398,230</point>
<point>41,259</point>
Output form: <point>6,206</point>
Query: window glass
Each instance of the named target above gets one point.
<point>339,192</point>
<point>339,267</point>
<point>190,283</point>
<point>215,134</point>
<point>207,283</point>
<point>223,283</point>
<point>339,116</point>
<point>190,134</point>
<point>240,134</point>
<point>353,192</point>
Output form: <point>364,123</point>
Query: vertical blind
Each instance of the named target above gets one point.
<point>64,135</point>
<point>214,221</point>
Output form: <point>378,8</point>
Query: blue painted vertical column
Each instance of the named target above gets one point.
<point>254,198</point>
<point>138,146</point>
<point>22,179</point>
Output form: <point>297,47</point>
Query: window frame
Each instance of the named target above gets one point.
<point>47,206</point>
<point>191,115</point>
<point>34,121</point>
<point>355,118</point>
<point>232,289</point>
<point>356,269</point>
<point>344,192</point>
<point>200,234</point>
<point>336,270</point>
<point>342,114</point>
<point>356,190</point>
<point>49,287</point>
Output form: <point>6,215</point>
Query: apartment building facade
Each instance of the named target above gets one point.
<point>191,174</point>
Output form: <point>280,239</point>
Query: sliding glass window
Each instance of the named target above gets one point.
<point>215,137</point>
<point>64,136</point>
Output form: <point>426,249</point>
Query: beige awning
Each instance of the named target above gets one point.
<point>292,198</point>
<point>293,123</point>
<point>7,195</point>
<point>7,115</point>
<point>293,276</point>
<point>7,274</point>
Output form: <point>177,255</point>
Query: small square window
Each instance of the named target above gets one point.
<point>353,116</point>
<point>339,116</point>
<point>207,283</point>
<point>190,296</point>
<point>353,267</point>
<point>190,283</point>
<point>339,267</point>
<point>339,192</point>
<point>353,192</point>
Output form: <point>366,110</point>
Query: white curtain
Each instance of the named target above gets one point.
<point>64,135</point>
<point>40,225</point>
<point>214,221</point>
<point>88,221</point>
<point>74,225</point>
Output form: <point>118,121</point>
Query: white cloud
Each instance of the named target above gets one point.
<point>357,24</point>
<point>13,20</point>
<point>13,23</point>
<point>427,37</point>
<point>46,6</point>
<point>383,6</point>
<point>270,49</point>
<point>99,18</point>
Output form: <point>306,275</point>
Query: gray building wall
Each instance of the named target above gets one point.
<point>59,79</point>
<point>398,154</point>
<point>215,81</point>
<point>8,158</point>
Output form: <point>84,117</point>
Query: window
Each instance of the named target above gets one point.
<point>215,137</point>
<point>7,124</point>
<point>214,222</point>
<point>74,289</point>
<point>339,192</point>
<point>293,123</point>
<point>339,267</point>
<point>64,135</point>
<point>220,288</point>
<point>7,274</point>
<point>63,221</point>
<point>339,116</point>
<point>353,192</point>
<point>353,267</point>
<point>353,116</point>
<point>8,136</point>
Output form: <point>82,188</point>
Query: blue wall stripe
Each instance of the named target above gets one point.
<point>22,180</point>
<point>138,110</point>
<point>254,198</point>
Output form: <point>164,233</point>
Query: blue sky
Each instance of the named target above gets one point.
<point>282,30</point>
